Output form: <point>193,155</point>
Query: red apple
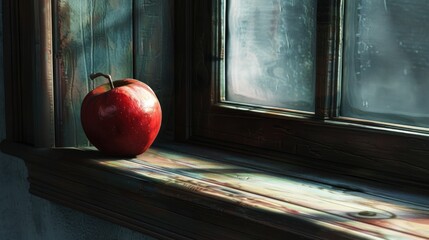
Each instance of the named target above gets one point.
<point>121,118</point>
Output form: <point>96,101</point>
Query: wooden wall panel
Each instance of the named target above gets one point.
<point>43,85</point>
<point>92,36</point>
<point>153,33</point>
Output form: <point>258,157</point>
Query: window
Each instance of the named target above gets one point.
<point>290,80</point>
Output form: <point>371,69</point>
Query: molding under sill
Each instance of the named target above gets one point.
<point>171,194</point>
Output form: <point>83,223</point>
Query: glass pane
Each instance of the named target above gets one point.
<point>270,53</point>
<point>386,64</point>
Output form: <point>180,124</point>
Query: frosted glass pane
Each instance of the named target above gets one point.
<point>270,53</point>
<point>386,65</point>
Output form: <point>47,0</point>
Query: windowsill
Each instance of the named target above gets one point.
<point>178,191</point>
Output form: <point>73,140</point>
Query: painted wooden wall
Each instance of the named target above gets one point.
<point>126,38</point>
<point>25,216</point>
<point>153,55</point>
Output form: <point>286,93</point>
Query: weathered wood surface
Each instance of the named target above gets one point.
<point>92,36</point>
<point>193,186</point>
<point>122,37</point>
<point>43,101</point>
<point>153,54</point>
<point>321,204</point>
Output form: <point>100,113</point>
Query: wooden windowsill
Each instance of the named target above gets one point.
<point>175,191</point>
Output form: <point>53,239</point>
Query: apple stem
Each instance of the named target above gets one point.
<point>96,75</point>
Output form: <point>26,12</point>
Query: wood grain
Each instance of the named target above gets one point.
<point>43,104</point>
<point>92,36</point>
<point>181,196</point>
<point>328,48</point>
<point>19,69</point>
<point>153,54</point>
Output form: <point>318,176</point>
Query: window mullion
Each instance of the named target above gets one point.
<point>328,45</point>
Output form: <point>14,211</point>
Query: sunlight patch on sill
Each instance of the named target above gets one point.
<point>352,212</point>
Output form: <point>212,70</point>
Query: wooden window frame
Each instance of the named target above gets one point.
<point>325,140</point>
<point>28,64</point>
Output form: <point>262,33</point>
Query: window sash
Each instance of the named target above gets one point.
<point>329,30</point>
<point>329,67</point>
